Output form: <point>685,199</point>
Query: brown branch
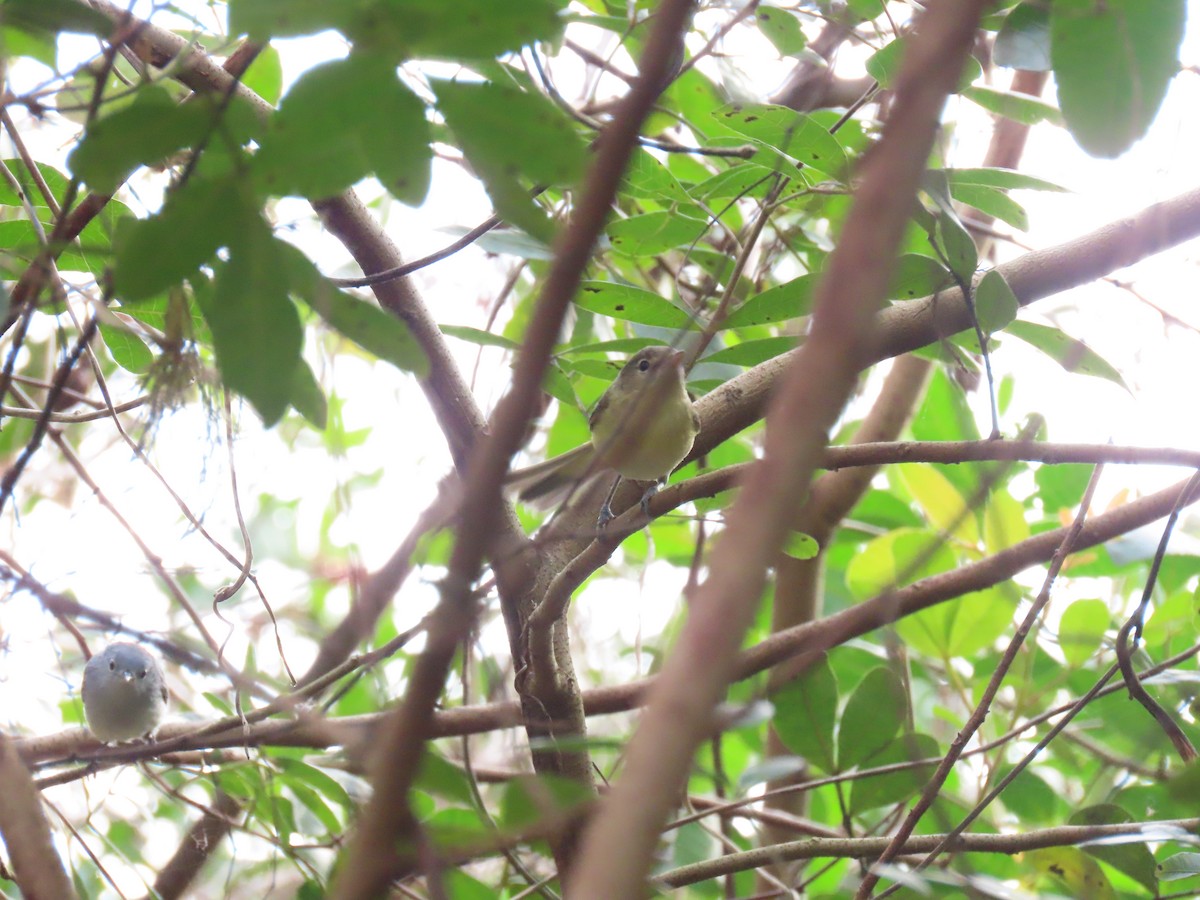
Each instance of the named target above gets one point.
<point>619,842</point>
<point>201,840</point>
<point>909,326</point>
<point>378,590</point>
<point>37,870</point>
<point>799,583</point>
<point>857,848</point>
<point>384,844</point>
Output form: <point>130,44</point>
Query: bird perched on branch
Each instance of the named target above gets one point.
<point>642,427</point>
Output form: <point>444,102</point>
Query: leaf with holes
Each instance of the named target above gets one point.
<point>620,301</point>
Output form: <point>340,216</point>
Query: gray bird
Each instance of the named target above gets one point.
<point>124,695</point>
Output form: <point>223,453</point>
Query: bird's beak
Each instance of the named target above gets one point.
<point>127,676</point>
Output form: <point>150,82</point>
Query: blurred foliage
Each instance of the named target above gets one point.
<point>208,277</point>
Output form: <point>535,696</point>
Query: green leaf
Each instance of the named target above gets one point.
<point>957,245</point>
<point>478,336</point>
<point>53,17</point>
<point>751,353</point>
<point>884,790</point>
<point>149,130</point>
<point>945,415</point>
<point>781,28</point>
<point>875,712</point>
<point>406,29</point>
<point>793,134</point>
<point>799,545</point>
<point>1016,106</point>
<point>195,221</point>
<point>505,241</point>
<point>1004,522</point>
<point>340,122</point>
<point>76,98</point>
<point>895,559</point>
<point>90,253</point>
<point>172,314</point>
<point>1005,179</point>
<point>916,275</point>
<point>1061,486</point>
<point>805,711</point>
<point>646,177</point>
<point>742,180</point>
<point>992,202</point>
<point>528,799</point>
<point>866,10</point>
<point>307,397</point>
<point>1024,39</point>
<point>295,770</point>
<point>996,306</point>
<point>630,304</point>
<point>1112,63</point>
<point>944,506</point>
<point>1180,865</point>
<point>256,330</point>
<point>1070,353</point>
<point>442,778</point>
<point>884,65</point>
<point>313,802</point>
<point>128,350</point>
<point>265,19</point>
<point>265,75</point>
<point>1132,857</point>
<point>507,134</point>
<point>655,232</point>
<point>373,329</point>
<point>1173,616</point>
<point>963,627</point>
<point>1030,798</point>
<point>505,129</point>
<point>30,42</point>
<point>461,886</point>
<point>1081,630</point>
<point>789,300</point>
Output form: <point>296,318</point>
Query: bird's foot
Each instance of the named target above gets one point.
<point>650,492</point>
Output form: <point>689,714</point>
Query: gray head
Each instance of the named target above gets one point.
<point>124,695</point>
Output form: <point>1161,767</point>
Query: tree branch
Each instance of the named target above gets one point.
<point>619,842</point>
<point>37,869</point>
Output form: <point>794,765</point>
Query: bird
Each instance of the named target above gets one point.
<point>124,694</point>
<point>642,427</point>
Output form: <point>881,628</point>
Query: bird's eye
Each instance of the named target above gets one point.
<point>112,665</point>
<point>141,673</point>
<point>643,365</point>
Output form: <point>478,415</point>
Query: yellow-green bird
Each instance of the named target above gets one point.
<point>642,428</point>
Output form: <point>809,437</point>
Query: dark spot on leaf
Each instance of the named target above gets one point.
<point>620,307</point>
<point>592,290</point>
<point>750,119</point>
